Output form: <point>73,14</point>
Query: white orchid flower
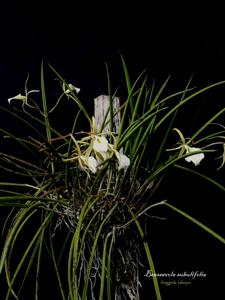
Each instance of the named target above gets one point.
<point>100,144</point>
<point>89,162</point>
<point>92,164</point>
<point>123,160</point>
<point>71,88</point>
<point>17,97</point>
<point>195,158</point>
<point>22,97</point>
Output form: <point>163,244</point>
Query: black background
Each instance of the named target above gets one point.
<point>166,40</point>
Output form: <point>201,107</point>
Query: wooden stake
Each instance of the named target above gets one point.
<point>101,108</point>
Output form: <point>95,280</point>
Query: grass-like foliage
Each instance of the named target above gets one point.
<point>79,199</point>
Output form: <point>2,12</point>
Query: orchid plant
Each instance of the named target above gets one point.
<point>81,198</point>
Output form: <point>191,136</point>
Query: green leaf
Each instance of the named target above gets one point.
<point>193,220</point>
<point>148,254</point>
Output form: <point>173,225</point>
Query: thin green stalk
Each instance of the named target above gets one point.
<point>143,142</point>
<point>171,161</point>
<point>109,291</point>
<point>69,150</point>
<point>135,126</point>
<point>28,267</point>
<point>75,98</point>
<point>44,103</point>
<point>148,254</point>
<point>20,162</point>
<point>5,199</point>
<point>26,253</point>
<point>139,98</point>
<point>193,220</point>
<point>148,96</point>
<point>63,248</point>
<point>13,237</point>
<point>86,282</point>
<point>39,256</point>
<point>159,92</point>
<point>74,254</point>
<point>103,266</point>
<point>133,116</point>
<point>18,140</point>
<point>126,106</point>
<point>207,124</point>
<point>55,264</point>
<point>24,121</point>
<point>86,230</point>
<point>172,110</point>
<point>136,143</point>
<point>128,83</point>
<point>14,231</point>
<point>165,138</point>
<point>45,111</point>
<point>217,184</point>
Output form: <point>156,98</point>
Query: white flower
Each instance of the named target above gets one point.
<point>22,97</point>
<point>17,97</point>
<point>71,88</point>
<point>195,158</point>
<point>92,164</point>
<point>100,144</point>
<point>89,162</point>
<point>123,160</point>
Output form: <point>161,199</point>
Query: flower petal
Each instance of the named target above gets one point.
<point>100,144</point>
<point>17,97</point>
<point>123,160</point>
<point>72,88</point>
<point>92,164</point>
<point>195,158</point>
<point>33,91</point>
